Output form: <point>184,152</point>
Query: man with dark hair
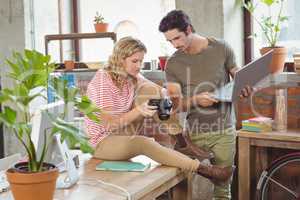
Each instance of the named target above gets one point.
<point>199,66</point>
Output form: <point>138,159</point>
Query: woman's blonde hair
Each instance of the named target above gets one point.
<point>124,48</point>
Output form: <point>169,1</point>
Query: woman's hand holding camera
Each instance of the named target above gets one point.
<point>147,110</point>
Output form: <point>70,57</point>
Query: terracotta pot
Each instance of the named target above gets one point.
<point>278,60</point>
<point>101,27</point>
<point>32,186</point>
<point>69,65</point>
<point>162,62</point>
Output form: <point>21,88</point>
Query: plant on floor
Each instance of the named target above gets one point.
<point>30,73</point>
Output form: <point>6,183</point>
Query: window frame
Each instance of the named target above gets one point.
<point>248,42</point>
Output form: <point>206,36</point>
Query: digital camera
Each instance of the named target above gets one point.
<point>163,107</point>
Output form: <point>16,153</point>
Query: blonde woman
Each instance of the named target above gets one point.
<point>113,90</point>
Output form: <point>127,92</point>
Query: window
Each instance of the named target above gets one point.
<point>290,31</point>
<point>141,22</point>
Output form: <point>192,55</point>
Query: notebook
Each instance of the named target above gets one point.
<point>224,93</point>
<point>249,75</point>
<point>122,166</point>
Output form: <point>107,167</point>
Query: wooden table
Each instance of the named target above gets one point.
<point>141,185</point>
<point>248,142</point>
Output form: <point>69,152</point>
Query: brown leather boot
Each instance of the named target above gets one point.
<point>187,147</point>
<point>216,174</point>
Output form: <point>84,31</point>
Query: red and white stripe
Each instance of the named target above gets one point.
<point>105,94</point>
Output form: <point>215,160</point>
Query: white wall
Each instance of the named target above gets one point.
<point>233,28</point>
<point>12,38</point>
<point>217,18</point>
<point>144,13</point>
<point>206,16</point>
<point>12,27</point>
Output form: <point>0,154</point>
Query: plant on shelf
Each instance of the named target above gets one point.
<point>29,73</point>
<point>270,23</point>
<point>69,62</point>
<point>100,25</point>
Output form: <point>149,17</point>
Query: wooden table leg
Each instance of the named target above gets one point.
<point>244,169</point>
<point>190,186</point>
<point>180,191</point>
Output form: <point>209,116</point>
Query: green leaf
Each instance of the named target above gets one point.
<point>93,117</point>
<point>249,6</point>
<point>71,133</point>
<point>32,69</point>
<point>8,116</point>
<point>283,18</point>
<point>71,94</point>
<point>21,91</point>
<point>88,108</point>
<point>85,104</point>
<point>3,97</point>
<point>86,148</point>
<point>14,67</point>
<point>60,86</point>
<point>22,128</point>
<point>268,2</point>
<point>28,53</point>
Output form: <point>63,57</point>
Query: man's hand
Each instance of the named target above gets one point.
<point>204,99</point>
<point>246,92</point>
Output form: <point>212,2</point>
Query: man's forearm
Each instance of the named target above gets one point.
<point>182,104</point>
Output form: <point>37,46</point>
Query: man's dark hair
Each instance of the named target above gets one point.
<point>175,19</point>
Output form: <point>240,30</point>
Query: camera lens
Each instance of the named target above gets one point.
<point>164,107</point>
<point>163,116</point>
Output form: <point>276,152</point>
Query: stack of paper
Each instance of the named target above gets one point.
<point>297,62</point>
<point>257,124</point>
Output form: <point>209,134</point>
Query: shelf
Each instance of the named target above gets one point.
<point>78,36</point>
<point>280,81</point>
<point>76,70</point>
<point>74,36</point>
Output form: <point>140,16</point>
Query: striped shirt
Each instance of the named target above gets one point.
<point>104,93</point>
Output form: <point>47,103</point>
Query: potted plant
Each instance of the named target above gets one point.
<point>69,61</point>
<point>100,25</point>
<point>270,24</point>
<point>35,179</point>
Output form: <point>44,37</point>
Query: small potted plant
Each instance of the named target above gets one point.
<point>270,23</point>
<point>69,61</point>
<point>100,25</point>
<point>35,179</point>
